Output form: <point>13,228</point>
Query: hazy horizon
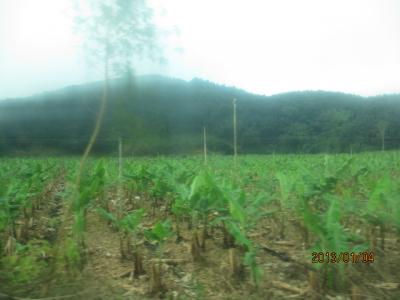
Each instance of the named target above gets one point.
<point>187,81</point>
<point>263,47</point>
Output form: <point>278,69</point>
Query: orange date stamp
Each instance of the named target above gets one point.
<point>343,257</point>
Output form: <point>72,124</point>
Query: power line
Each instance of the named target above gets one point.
<point>280,138</point>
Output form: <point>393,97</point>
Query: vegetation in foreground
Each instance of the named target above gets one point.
<point>282,226</point>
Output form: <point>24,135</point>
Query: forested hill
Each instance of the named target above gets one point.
<point>154,114</point>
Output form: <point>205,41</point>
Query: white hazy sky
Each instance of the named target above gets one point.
<point>263,46</point>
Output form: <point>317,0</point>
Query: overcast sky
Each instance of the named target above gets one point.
<point>263,46</point>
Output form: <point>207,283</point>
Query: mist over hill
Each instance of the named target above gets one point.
<point>159,115</point>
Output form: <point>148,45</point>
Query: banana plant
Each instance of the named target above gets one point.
<point>319,205</point>
<point>180,206</point>
<point>91,187</point>
<point>331,237</point>
<point>205,196</point>
<point>243,215</point>
<point>128,227</point>
<point>158,234</point>
<point>139,177</point>
<point>159,190</point>
<point>382,208</point>
<point>10,208</point>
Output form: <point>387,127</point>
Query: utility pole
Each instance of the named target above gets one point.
<point>119,191</point>
<point>119,159</point>
<point>234,131</point>
<point>205,145</point>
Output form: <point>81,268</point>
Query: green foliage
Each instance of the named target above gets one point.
<point>333,197</point>
<point>19,270</point>
<point>255,270</point>
<point>72,255</point>
<point>181,205</point>
<point>128,224</point>
<point>107,216</point>
<point>243,214</point>
<point>381,200</point>
<point>27,265</point>
<point>78,227</point>
<point>159,232</point>
<point>139,177</point>
<point>20,186</point>
<point>91,186</point>
<point>205,194</point>
<point>131,221</point>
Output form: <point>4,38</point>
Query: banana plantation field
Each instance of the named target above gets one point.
<point>263,227</point>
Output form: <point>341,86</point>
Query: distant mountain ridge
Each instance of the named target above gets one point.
<point>155,114</point>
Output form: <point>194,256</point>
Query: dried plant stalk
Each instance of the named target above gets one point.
<point>195,248</point>
<point>138,263</point>
<point>156,284</point>
<point>236,267</point>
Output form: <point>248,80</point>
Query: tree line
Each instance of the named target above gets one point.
<point>159,115</point>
